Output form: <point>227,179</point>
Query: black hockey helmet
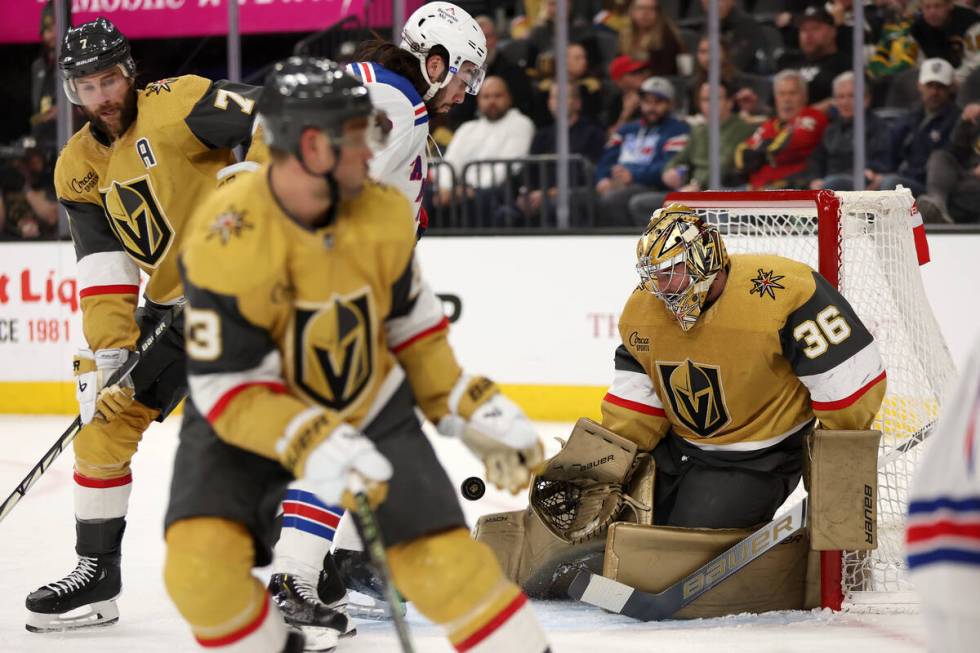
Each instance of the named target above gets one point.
<point>90,48</point>
<point>303,92</point>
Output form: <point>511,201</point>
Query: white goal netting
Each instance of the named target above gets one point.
<point>869,242</point>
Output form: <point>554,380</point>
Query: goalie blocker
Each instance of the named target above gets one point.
<point>590,513</point>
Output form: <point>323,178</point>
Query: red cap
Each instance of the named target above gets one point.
<point>623,65</point>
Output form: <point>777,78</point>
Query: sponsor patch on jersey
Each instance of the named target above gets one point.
<point>138,220</point>
<point>695,394</point>
<point>333,350</point>
<point>228,224</point>
<point>766,284</point>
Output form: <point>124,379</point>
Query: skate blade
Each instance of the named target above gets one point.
<point>322,640</point>
<point>361,606</point>
<point>93,615</point>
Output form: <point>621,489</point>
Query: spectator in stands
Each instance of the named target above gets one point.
<point>689,169</point>
<point>953,174</point>
<point>28,210</point>
<point>747,100</point>
<point>831,165</point>
<point>614,15</point>
<point>623,105</point>
<point>746,41</point>
<point>542,36</point>
<point>775,156</point>
<point>924,130</point>
<point>44,119</point>
<point>580,75</point>
<point>586,137</point>
<point>819,60</point>
<point>635,156</point>
<point>651,35</point>
<point>501,132</point>
<point>843,14</point>
<point>896,49</point>
<point>497,66</point>
<point>948,31</point>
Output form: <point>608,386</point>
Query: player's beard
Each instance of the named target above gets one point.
<point>114,118</point>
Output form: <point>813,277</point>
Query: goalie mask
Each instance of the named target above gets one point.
<point>446,25</point>
<point>678,257</point>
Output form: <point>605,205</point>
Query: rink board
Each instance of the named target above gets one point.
<point>538,314</point>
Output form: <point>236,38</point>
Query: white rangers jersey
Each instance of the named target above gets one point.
<point>943,533</point>
<point>403,163</point>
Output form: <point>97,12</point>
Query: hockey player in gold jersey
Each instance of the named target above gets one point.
<point>312,336</point>
<point>129,180</point>
<point>725,364</point>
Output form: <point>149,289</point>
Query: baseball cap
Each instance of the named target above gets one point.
<point>624,65</point>
<point>936,70</point>
<point>658,86</point>
<point>815,12</point>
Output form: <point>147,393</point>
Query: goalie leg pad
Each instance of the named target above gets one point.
<point>651,558</point>
<point>456,582</point>
<point>208,575</point>
<point>843,468</point>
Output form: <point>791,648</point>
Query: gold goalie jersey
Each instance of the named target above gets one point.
<point>128,201</point>
<point>779,347</point>
<point>284,321</point>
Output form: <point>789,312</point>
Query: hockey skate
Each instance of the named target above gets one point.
<point>321,624</point>
<point>365,598</point>
<point>84,598</point>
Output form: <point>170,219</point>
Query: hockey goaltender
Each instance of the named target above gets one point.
<point>735,375</point>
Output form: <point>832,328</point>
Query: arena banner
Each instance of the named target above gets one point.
<point>538,314</point>
<point>139,19</point>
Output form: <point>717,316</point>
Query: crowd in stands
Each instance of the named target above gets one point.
<point>637,105</point>
<point>639,70</point>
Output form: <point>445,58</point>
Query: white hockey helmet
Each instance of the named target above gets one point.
<point>445,24</point>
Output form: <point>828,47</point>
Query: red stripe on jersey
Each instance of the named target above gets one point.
<point>225,399</point>
<point>367,72</point>
<point>635,405</point>
<point>944,528</point>
<point>488,628</point>
<point>240,634</point>
<point>419,111</point>
<point>116,289</point>
<point>307,511</point>
<point>443,324</point>
<point>103,483</point>
<point>847,401</point>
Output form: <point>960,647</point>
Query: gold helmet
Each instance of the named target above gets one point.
<point>678,257</point>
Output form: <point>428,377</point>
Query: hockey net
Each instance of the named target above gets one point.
<point>863,243</point>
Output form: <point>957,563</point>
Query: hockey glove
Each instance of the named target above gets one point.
<point>95,400</point>
<point>496,430</point>
<point>345,452</point>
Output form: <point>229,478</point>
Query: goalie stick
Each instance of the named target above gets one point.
<point>614,596</point>
<point>142,346</point>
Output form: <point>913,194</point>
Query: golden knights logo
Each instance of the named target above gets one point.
<point>696,396</point>
<point>138,220</point>
<point>333,350</point>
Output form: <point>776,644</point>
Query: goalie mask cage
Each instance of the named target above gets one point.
<point>862,243</point>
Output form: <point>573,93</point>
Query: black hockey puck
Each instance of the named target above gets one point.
<point>473,488</point>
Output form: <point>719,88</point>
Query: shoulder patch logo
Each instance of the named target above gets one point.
<point>138,220</point>
<point>767,283</point>
<point>695,395</point>
<point>333,350</point>
<point>159,86</point>
<point>228,224</point>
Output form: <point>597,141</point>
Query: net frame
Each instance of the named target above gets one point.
<point>862,242</point>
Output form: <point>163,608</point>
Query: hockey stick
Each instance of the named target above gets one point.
<point>618,597</point>
<point>371,536</point>
<point>144,345</point>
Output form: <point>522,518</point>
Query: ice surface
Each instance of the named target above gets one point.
<point>37,546</point>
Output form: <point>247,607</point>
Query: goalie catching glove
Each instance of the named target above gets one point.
<point>92,371</point>
<point>496,430</point>
<point>344,453</point>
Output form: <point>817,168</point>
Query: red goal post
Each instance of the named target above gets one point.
<point>869,245</point>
